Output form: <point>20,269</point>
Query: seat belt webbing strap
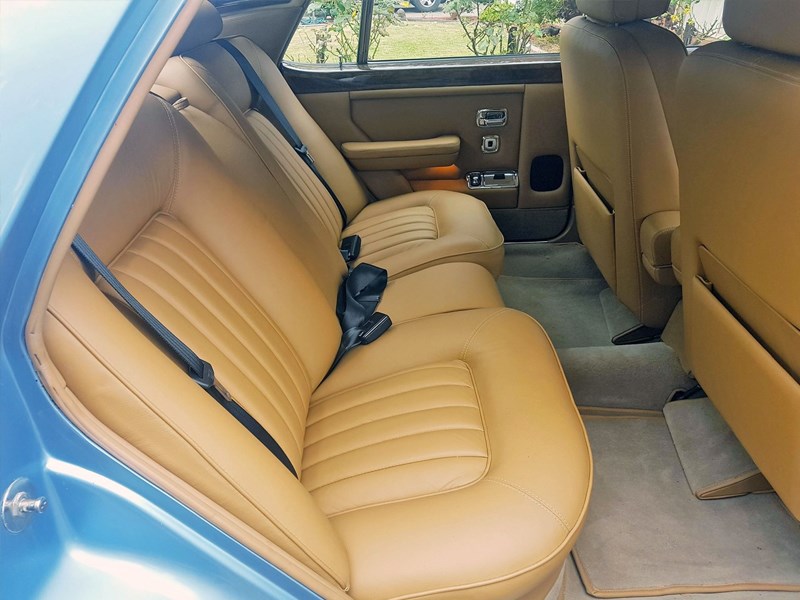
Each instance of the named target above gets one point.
<point>359,296</point>
<point>279,119</point>
<point>198,369</point>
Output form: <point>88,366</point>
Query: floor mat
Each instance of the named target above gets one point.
<point>715,463</point>
<point>573,590</point>
<point>647,535</point>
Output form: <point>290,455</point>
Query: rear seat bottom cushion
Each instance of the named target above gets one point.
<point>440,289</point>
<point>412,231</point>
<point>450,458</point>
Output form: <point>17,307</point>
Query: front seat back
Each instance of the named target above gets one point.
<point>738,149</point>
<point>619,85</point>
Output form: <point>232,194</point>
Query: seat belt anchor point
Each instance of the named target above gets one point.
<point>207,380</point>
<point>302,150</point>
<point>374,327</point>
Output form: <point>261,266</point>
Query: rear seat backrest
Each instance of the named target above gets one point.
<point>246,304</point>
<point>329,159</point>
<point>206,26</point>
<point>299,225</point>
<point>212,62</point>
<point>229,104</point>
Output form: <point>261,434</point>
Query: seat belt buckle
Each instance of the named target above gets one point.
<point>350,247</point>
<point>374,327</point>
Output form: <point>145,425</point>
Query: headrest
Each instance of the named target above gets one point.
<point>207,25</point>
<point>768,24</point>
<point>622,11</point>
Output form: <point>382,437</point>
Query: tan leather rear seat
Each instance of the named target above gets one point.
<point>446,459</point>
<point>401,234</point>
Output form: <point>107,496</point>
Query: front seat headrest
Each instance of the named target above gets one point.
<point>622,11</point>
<point>768,24</point>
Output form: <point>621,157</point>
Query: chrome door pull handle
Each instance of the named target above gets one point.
<point>492,117</point>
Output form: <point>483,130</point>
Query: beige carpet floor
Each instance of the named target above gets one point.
<point>560,286</point>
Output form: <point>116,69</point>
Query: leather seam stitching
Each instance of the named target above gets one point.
<point>214,343</point>
<point>389,417</point>
<point>533,497</point>
<point>357,386</point>
<point>414,211</point>
<point>777,75</point>
<point>176,158</point>
<point>409,498</point>
<point>443,260</point>
<point>236,284</point>
<point>378,399</point>
<point>205,335</point>
<point>486,439</point>
<point>394,466</point>
<point>306,467</point>
<point>233,282</point>
<point>143,235</point>
<point>390,228</point>
<point>322,207</point>
<point>389,236</point>
<point>382,224</point>
<point>478,328</point>
<point>246,138</point>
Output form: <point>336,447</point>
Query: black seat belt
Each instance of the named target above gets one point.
<point>359,295</point>
<point>201,371</point>
<point>278,119</point>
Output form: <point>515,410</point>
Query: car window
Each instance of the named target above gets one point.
<point>424,29</point>
<point>327,33</point>
<point>468,28</point>
<point>427,29</point>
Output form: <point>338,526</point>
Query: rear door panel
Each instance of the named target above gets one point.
<point>393,104</point>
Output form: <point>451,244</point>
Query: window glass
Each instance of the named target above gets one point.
<point>462,28</point>
<point>423,29</point>
<point>329,31</point>
<point>419,29</point>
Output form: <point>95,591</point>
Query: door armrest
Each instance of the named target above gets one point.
<point>407,154</point>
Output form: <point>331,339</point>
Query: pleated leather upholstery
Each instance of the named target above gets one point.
<point>445,459</point>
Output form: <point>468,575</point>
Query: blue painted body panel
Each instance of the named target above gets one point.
<point>67,70</point>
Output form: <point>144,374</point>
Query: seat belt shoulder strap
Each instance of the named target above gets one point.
<point>198,369</point>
